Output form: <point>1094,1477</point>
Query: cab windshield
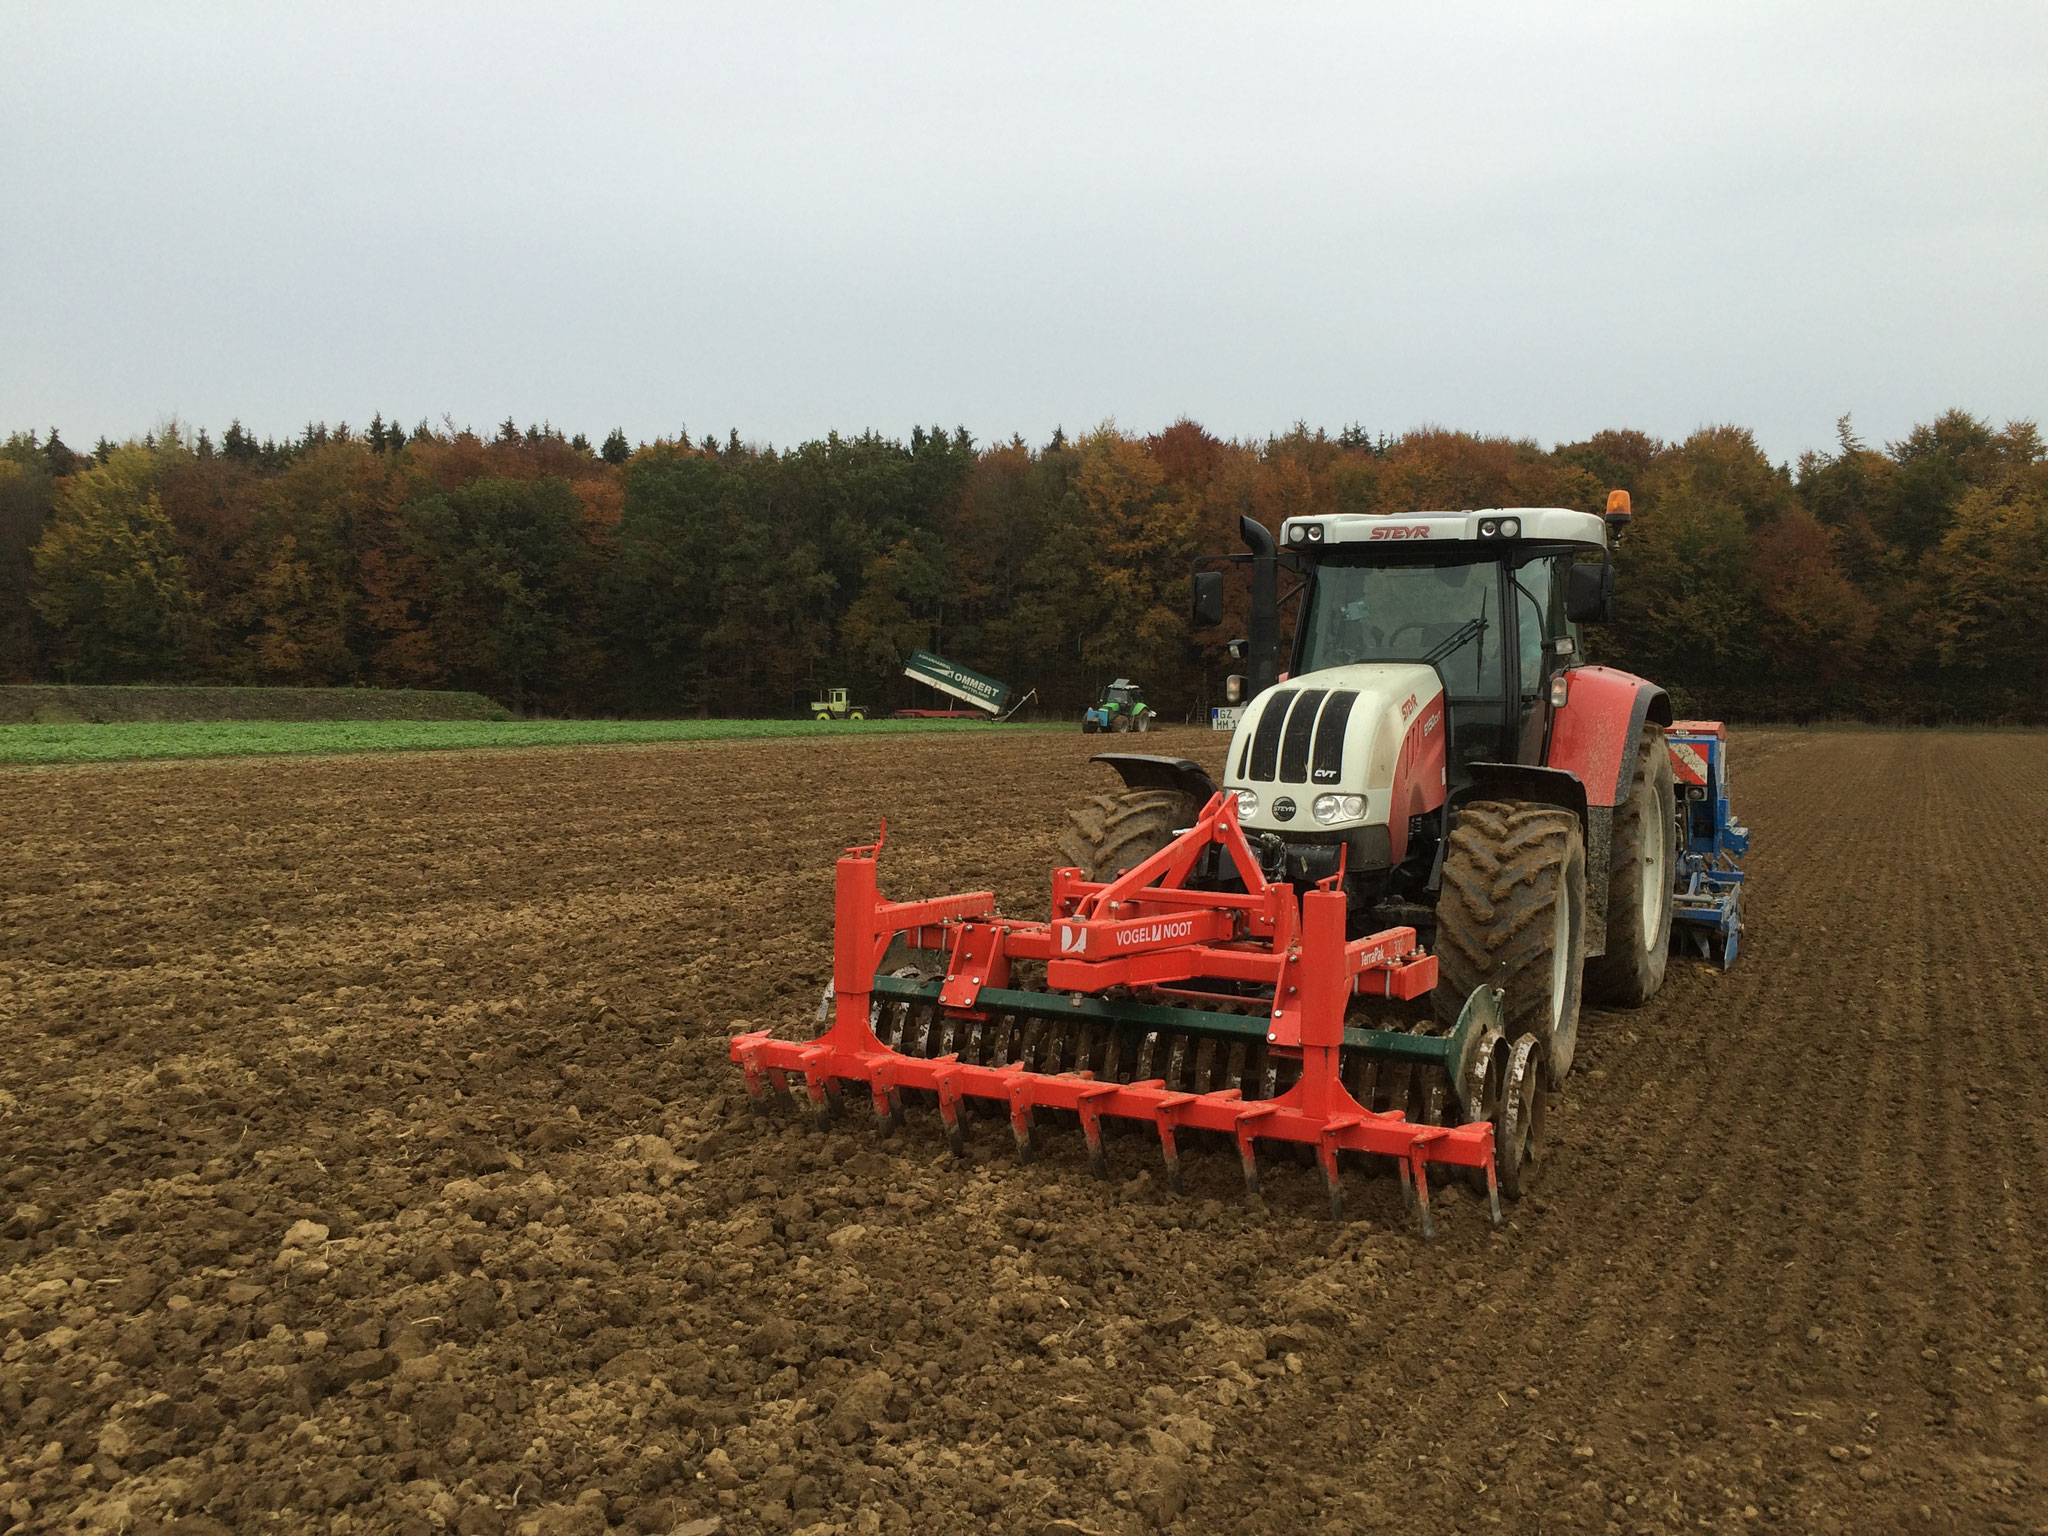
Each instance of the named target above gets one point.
<point>1446,614</point>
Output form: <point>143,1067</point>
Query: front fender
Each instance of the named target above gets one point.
<point>1142,770</point>
<point>1519,781</point>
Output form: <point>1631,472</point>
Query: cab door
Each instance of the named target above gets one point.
<point>1537,587</point>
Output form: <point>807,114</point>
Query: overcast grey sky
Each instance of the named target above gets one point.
<point>1537,220</point>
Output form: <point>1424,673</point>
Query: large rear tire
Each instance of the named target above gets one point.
<point>1512,914</point>
<point>1112,833</point>
<point>1640,883</point>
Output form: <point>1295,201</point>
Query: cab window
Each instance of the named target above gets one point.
<point>1539,605</point>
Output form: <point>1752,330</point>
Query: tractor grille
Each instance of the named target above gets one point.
<point>1294,741</point>
<point>1329,764</point>
<point>1299,727</point>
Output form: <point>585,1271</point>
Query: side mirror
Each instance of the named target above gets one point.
<point>1208,599</point>
<point>1589,593</point>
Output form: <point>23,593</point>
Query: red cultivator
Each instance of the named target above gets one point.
<point>1197,921</point>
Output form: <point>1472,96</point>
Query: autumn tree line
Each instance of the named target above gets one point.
<point>1901,583</point>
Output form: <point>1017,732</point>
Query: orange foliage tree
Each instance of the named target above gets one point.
<point>1903,582</point>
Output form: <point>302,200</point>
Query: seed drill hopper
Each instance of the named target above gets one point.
<point>1707,910</point>
<point>1173,996</point>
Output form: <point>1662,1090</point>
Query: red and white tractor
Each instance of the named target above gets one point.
<point>1439,799</point>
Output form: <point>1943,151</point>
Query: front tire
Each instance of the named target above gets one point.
<point>1512,914</point>
<point>1640,883</point>
<point>1112,833</point>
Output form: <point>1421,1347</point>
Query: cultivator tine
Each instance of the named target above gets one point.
<point>1492,1190</point>
<point>1021,1125</point>
<point>1422,1191</point>
<point>1326,1159</point>
<point>1091,1128</point>
<point>949,1112</point>
<point>1247,1146</point>
<point>1163,1116</point>
<point>888,1106</point>
<point>750,1074</point>
<point>821,1112</point>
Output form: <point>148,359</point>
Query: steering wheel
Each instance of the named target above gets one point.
<point>1400,630</point>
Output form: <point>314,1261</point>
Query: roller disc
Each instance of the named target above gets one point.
<point>1518,1133</point>
<point>1485,1078</point>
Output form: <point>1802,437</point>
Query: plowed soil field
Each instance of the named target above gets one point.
<point>372,1162</point>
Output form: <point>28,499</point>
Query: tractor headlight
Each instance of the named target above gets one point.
<point>1247,803</point>
<point>1488,528</point>
<point>1510,527</point>
<point>1329,808</point>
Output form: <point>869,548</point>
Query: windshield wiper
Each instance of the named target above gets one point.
<point>1471,629</point>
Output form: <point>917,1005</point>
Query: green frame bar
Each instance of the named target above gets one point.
<point>1138,1018</point>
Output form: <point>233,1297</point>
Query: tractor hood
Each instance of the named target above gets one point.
<point>1374,731</point>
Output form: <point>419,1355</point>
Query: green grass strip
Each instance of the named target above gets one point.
<point>239,738</point>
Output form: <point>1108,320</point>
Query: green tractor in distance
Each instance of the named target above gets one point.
<point>1121,708</point>
<point>834,707</point>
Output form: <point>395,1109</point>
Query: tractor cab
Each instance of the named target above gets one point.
<point>1484,599</point>
<point>1433,656</point>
